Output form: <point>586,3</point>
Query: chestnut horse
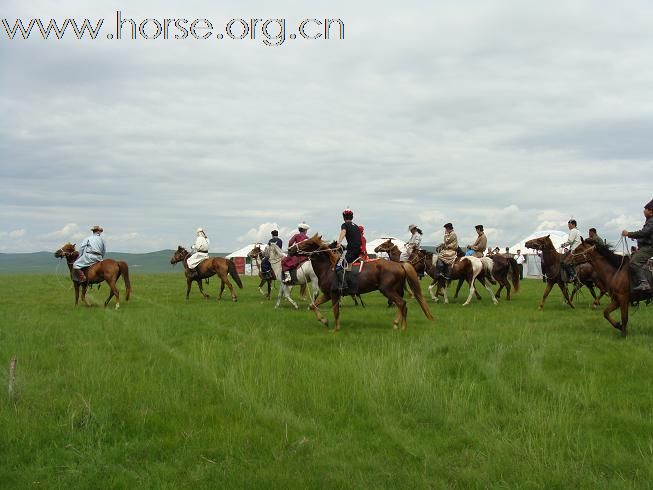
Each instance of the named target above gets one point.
<point>108,270</point>
<point>614,272</point>
<point>207,268</point>
<point>551,264</point>
<point>376,275</point>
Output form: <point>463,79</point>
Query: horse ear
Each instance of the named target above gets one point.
<point>548,235</point>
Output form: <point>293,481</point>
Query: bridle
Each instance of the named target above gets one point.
<point>583,254</point>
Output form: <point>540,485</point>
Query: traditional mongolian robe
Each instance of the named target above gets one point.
<point>479,246</point>
<point>291,262</point>
<point>449,249</point>
<point>91,252</point>
<point>411,245</point>
<point>201,249</point>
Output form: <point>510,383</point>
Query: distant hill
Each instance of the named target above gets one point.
<point>46,262</point>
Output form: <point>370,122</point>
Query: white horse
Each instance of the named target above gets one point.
<point>466,271</point>
<point>305,275</point>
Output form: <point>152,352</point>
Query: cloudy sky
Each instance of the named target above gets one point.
<point>515,114</point>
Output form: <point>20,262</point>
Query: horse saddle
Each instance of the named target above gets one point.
<point>347,280</point>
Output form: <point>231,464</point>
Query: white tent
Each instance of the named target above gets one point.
<point>243,252</point>
<point>371,245</point>
<point>533,266</point>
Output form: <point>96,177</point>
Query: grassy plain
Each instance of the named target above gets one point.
<point>169,393</point>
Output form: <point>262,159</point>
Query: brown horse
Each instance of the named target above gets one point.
<point>377,275</point>
<point>108,270</point>
<point>208,268</point>
<point>614,272</point>
<point>586,276</point>
<point>503,270</point>
<point>551,264</point>
<point>390,248</point>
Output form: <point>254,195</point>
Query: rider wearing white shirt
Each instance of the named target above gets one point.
<point>573,240</point>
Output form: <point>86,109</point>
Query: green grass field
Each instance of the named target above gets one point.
<point>169,393</point>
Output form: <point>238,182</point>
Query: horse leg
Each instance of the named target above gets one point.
<point>189,283</point>
<point>335,306</point>
<point>624,315</point>
<point>199,284</point>
<point>507,289</point>
<point>472,290</point>
<point>361,300</point>
<point>269,288</point>
<point>76,284</point>
<point>460,285</point>
<point>113,292</point>
<point>433,296</point>
<point>221,291</point>
<point>260,286</point>
<point>402,310</point>
<point>225,280</point>
<point>547,290</point>
<point>84,288</point>
<point>609,309</point>
<point>314,308</point>
<point>489,289</point>
<point>444,293</point>
<point>565,293</point>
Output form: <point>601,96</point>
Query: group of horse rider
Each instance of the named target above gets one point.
<point>92,249</point>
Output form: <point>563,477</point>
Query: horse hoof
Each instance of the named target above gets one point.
<point>117,306</point>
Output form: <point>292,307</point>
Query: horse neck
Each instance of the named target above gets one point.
<point>322,264</point>
<point>603,268</point>
<point>394,253</point>
<point>550,256</point>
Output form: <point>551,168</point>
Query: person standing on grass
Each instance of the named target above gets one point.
<point>520,259</point>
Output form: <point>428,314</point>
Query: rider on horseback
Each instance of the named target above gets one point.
<point>201,248</point>
<point>352,233</point>
<point>294,261</point>
<point>644,251</point>
<point>480,244</point>
<point>448,251</point>
<point>573,240</point>
<point>266,267</point>
<point>91,252</point>
<point>412,244</point>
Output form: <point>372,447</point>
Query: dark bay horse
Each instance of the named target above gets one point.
<point>586,276</point>
<point>377,275</point>
<point>108,270</point>
<point>503,270</point>
<point>207,268</point>
<point>614,272</point>
<point>551,264</point>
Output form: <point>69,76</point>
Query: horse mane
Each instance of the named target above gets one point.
<point>607,252</point>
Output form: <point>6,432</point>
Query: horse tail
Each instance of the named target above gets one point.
<point>514,272</point>
<point>234,273</point>
<point>413,282</point>
<point>124,272</point>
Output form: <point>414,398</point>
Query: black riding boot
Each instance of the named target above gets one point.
<point>640,277</point>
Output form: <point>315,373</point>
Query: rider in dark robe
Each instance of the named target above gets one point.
<point>644,252</point>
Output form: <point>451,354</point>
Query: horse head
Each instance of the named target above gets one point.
<point>66,251</point>
<point>385,247</point>
<point>255,253</point>
<point>308,246</point>
<point>541,243</point>
<point>180,254</point>
<point>582,253</point>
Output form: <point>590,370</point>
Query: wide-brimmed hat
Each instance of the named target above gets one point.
<point>410,227</point>
<point>649,205</point>
<point>303,226</point>
<point>199,230</point>
<point>97,228</point>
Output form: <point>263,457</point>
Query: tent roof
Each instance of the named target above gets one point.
<point>557,237</point>
<point>242,252</point>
